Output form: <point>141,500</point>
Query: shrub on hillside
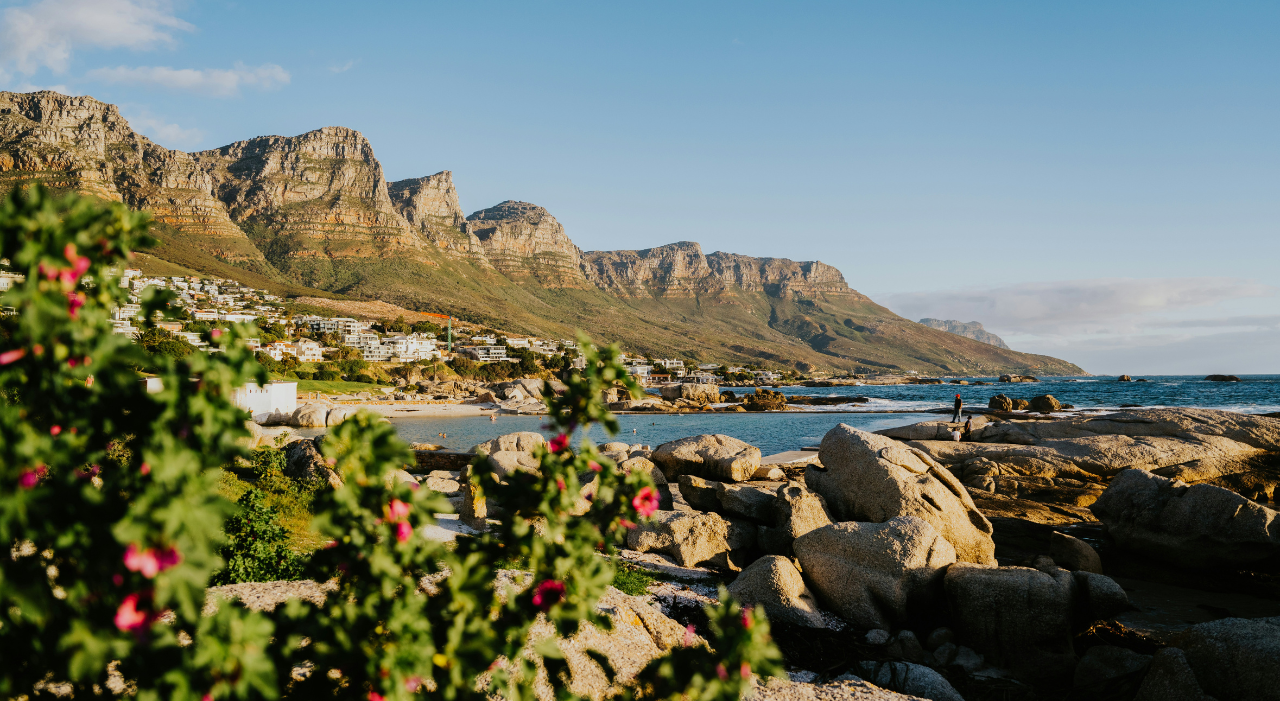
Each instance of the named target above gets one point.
<point>257,548</point>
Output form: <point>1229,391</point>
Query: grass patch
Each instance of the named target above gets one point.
<point>632,580</point>
<point>291,498</point>
<point>332,386</point>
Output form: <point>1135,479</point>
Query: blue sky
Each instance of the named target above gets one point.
<point>1098,181</point>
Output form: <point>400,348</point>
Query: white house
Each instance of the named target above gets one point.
<point>412,347</point>
<point>307,350</point>
<point>341,325</point>
<point>766,375</point>
<point>238,317</point>
<point>518,342</point>
<point>487,354</point>
<point>275,397</point>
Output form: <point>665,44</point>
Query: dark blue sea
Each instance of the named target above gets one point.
<point>777,432</point>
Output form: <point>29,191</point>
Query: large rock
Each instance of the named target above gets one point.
<point>764,400</point>
<point>876,575</point>
<point>709,394</point>
<point>1045,404</point>
<point>1198,525</point>
<point>1170,678</point>
<point>339,414</point>
<point>1018,617</point>
<point>521,442</point>
<point>1000,403</point>
<point>796,511</point>
<point>1235,658</point>
<point>1073,554</point>
<point>750,500</point>
<point>867,477</point>
<point>645,466</point>
<point>714,457</point>
<point>700,494</point>
<point>1103,664</point>
<point>304,462</point>
<point>695,539</point>
<point>914,679</point>
<point>776,584</point>
<point>309,416</point>
<point>1098,598</point>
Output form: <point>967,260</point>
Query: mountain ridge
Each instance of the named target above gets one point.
<point>968,329</point>
<point>316,211</point>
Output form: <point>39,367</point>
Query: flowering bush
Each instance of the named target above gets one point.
<point>108,498</point>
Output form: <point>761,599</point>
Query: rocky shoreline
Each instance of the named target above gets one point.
<point>1130,555</point>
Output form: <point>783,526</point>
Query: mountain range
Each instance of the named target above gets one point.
<point>313,215</point>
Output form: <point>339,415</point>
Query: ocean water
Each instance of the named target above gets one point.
<point>777,432</point>
<point>1257,394</point>
<point>771,432</point>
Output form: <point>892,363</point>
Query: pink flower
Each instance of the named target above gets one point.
<point>29,479</point>
<point>595,466</point>
<point>145,469</point>
<point>746,620</point>
<point>117,579</point>
<point>207,697</point>
<point>74,302</point>
<point>646,501</point>
<point>558,443</point>
<point>216,333</point>
<point>128,617</point>
<point>403,531</point>
<point>690,635</point>
<point>168,557</point>
<point>548,594</point>
<point>11,356</point>
<point>626,524</point>
<point>375,696</point>
<point>149,562</point>
<point>397,510</point>
<point>722,672</point>
<point>72,362</point>
<point>745,670</point>
<point>560,483</point>
<point>55,430</point>
<point>412,684</point>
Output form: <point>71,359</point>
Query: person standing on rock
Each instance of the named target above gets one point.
<point>959,404</point>
<point>968,427</point>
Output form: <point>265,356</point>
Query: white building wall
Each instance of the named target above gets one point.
<point>281,397</point>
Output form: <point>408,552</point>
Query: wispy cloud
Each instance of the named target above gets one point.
<point>1171,325</point>
<point>162,132</point>
<point>1075,306</point>
<point>343,68</point>
<point>45,33</point>
<point>215,82</point>
<point>31,87</point>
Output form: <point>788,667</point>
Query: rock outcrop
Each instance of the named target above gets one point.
<point>1196,525</point>
<point>774,583</point>
<point>682,270</point>
<point>83,145</point>
<point>523,239</point>
<point>713,457</point>
<point>866,477</point>
<point>876,575</point>
<point>430,205</point>
<point>1032,638</point>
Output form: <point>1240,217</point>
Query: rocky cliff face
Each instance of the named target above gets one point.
<point>430,205</point>
<point>681,270</point>
<point>969,329</point>
<point>320,194</point>
<point>81,144</point>
<point>523,239</point>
